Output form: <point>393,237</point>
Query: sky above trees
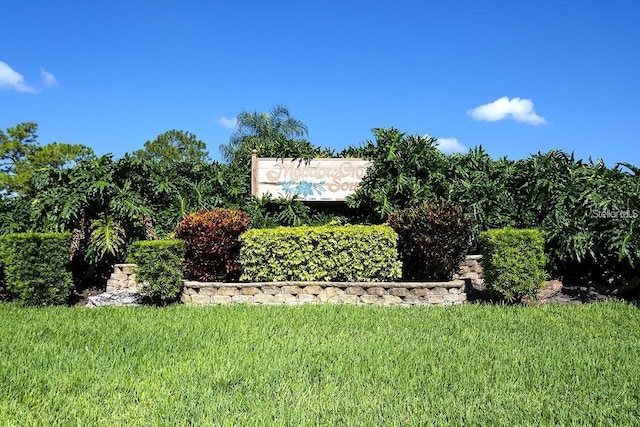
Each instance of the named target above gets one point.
<point>514,77</point>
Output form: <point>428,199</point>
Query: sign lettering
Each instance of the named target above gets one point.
<point>310,180</point>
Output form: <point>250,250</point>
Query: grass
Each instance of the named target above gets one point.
<point>320,365</point>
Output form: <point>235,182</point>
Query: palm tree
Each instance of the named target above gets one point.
<point>273,134</point>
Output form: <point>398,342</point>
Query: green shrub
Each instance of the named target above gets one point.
<point>4,294</point>
<point>433,239</point>
<point>36,267</point>
<point>513,262</point>
<point>159,268</point>
<point>211,244</point>
<point>327,253</point>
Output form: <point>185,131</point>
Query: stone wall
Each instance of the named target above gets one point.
<point>123,278</point>
<point>293,293</point>
<point>471,270</point>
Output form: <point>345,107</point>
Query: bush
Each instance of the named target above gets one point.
<point>405,169</point>
<point>36,267</point>
<point>159,268</point>
<point>326,253</point>
<point>4,294</point>
<point>433,239</point>
<point>212,249</point>
<point>513,262</point>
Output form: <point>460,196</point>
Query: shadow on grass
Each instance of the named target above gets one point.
<point>575,294</point>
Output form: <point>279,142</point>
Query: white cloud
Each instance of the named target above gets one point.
<point>228,123</point>
<point>12,80</point>
<point>520,110</point>
<point>48,78</point>
<point>450,145</point>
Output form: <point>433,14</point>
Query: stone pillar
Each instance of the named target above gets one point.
<point>123,278</point>
<point>471,270</point>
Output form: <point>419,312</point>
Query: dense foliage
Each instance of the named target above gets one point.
<point>434,238</point>
<point>211,244</point>
<point>590,213</point>
<point>513,262</point>
<point>36,267</point>
<point>159,268</point>
<point>268,212</point>
<point>108,204</point>
<point>356,253</point>
<point>406,170</point>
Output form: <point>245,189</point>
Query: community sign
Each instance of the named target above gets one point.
<point>312,180</point>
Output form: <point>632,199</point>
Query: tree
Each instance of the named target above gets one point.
<point>15,144</point>
<point>272,134</point>
<point>174,146</point>
<point>21,156</point>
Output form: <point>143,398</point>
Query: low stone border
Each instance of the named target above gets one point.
<point>123,282</point>
<point>294,293</point>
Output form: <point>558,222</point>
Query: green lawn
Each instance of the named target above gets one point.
<point>320,365</point>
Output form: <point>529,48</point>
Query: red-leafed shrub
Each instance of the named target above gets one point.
<point>433,238</point>
<point>212,249</point>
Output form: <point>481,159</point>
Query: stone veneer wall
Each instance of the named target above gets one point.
<point>123,278</point>
<point>293,293</point>
<point>471,270</point>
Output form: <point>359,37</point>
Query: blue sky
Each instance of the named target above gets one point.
<point>514,77</point>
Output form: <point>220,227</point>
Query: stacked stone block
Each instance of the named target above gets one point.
<point>123,278</point>
<point>294,293</point>
<point>471,270</point>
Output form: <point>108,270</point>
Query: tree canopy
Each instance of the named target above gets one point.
<point>174,146</point>
<point>273,134</point>
<point>21,155</point>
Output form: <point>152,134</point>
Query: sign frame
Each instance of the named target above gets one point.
<point>309,180</point>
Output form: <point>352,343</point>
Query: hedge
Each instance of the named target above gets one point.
<point>211,245</point>
<point>159,268</point>
<point>354,253</point>
<point>36,267</point>
<point>513,262</point>
<point>433,238</point>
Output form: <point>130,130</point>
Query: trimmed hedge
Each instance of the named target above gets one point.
<point>433,238</point>
<point>36,267</point>
<point>4,294</point>
<point>211,243</point>
<point>353,253</point>
<point>159,268</point>
<point>513,262</point>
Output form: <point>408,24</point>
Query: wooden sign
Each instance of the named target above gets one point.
<point>313,180</point>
